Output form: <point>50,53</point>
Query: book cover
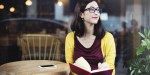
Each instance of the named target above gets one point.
<point>82,67</point>
<point>81,71</point>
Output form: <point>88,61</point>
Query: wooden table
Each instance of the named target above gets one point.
<point>31,67</point>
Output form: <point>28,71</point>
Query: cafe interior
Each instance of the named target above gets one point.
<point>36,30</point>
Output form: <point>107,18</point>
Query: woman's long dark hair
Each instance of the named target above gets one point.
<point>78,24</point>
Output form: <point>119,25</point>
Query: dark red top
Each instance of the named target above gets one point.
<point>93,55</point>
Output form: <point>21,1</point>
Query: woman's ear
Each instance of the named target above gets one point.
<point>81,15</point>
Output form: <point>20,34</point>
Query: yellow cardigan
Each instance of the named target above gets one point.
<point>107,45</point>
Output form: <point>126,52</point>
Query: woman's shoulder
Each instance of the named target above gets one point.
<point>108,35</point>
<point>70,34</point>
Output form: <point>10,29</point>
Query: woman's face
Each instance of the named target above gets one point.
<point>91,13</point>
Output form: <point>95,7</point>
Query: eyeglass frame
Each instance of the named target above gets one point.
<point>95,9</point>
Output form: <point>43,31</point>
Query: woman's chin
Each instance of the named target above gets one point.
<point>94,22</point>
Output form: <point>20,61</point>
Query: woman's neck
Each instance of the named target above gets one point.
<point>89,29</point>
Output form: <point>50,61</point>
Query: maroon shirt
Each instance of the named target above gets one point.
<point>93,55</point>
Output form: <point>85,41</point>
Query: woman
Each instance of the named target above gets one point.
<point>89,39</point>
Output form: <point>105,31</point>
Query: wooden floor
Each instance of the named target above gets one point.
<point>120,70</point>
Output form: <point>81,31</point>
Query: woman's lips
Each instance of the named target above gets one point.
<point>95,17</point>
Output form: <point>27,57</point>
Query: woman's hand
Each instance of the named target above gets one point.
<point>103,65</point>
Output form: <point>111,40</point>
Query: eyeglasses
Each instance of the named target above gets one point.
<point>92,10</point>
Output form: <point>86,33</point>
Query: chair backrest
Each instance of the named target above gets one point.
<point>40,47</point>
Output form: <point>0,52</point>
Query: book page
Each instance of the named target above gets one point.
<point>99,70</point>
<point>82,63</point>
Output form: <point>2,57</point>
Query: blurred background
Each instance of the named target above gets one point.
<point>123,18</point>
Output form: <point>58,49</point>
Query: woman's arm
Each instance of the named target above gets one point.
<point>109,50</point>
<point>69,47</point>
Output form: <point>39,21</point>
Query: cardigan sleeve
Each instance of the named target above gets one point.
<point>109,49</point>
<point>69,46</point>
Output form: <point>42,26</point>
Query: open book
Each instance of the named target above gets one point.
<point>82,67</point>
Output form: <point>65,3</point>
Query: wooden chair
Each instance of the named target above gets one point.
<point>40,47</point>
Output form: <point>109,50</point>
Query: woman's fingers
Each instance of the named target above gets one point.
<point>99,65</point>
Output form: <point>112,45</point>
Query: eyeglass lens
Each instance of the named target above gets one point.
<point>92,10</point>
